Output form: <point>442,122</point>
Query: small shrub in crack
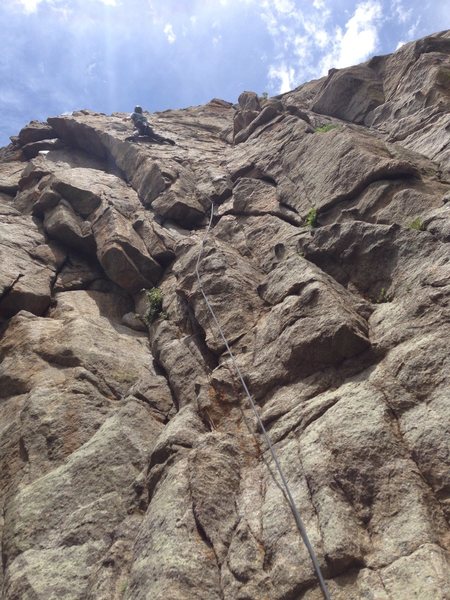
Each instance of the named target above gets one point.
<point>264,95</point>
<point>123,587</point>
<point>382,297</point>
<point>311,218</point>
<point>154,310</point>
<point>325,128</point>
<point>417,224</point>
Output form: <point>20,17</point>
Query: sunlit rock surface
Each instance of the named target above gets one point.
<point>131,464</point>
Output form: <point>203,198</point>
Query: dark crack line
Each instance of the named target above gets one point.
<point>277,119</point>
<point>198,333</point>
<point>310,494</point>
<point>162,371</point>
<point>407,172</point>
<point>377,570</point>
<point>4,556</point>
<point>288,207</point>
<point>206,540</point>
<point>410,453</point>
<point>55,277</point>
<point>430,120</point>
<point>381,566</point>
<point>160,415</point>
<point>306,424</point>
<point>8,289</point>
<point>382,583</point>
<point>156,472</point>
<point>259,213</point>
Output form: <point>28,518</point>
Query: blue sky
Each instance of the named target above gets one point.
<point>108,55</point>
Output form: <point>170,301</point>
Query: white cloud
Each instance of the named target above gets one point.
<point>358,41</point>
<point>296,33</point>
<point>301,47</point>
<point>361,34</point>
<point>91,68</point>
<point>412,31</point>
<point>307,44</point>
<point>64,12</point>
<point>401,12</point>
<point>11,98</point>
<point>284,75</point>
<point>399,45</point>
<point>319,35</point>
<point>170,34</point>
<point>284,6</point>
<point>29,6</point>
<point>62,7</point>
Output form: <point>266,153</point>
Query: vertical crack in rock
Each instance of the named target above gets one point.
<point>399,433</point>
<point>204,537</point>
<point>8,289</point>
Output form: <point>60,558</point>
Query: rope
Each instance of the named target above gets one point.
<point>295,512</point>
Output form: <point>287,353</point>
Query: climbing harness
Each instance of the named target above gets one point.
<point>295,512</point>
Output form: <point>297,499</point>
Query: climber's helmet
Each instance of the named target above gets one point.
<point>138,109</point>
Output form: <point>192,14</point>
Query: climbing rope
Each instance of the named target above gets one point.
<point>287,491</point>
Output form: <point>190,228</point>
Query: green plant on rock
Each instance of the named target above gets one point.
<point>311,218</point>
<point>155,300</point>
<point>123,587</point>
<point>382,297</point>
<point>125,377</point>
<point>326,127</point>
<point>264,95</point>
<point>417,224</point>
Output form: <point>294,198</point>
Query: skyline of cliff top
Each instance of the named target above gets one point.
<point>108,55</point>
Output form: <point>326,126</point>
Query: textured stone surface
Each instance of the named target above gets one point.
<point>404,95</point>
<point>35,131</point>
<point>10,174</point>
<point>350,94</point>
<point>34,148</point>
<point>131,465</point>
<point>29,264</point>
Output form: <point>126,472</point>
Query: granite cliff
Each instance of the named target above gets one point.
<point>131,463</point>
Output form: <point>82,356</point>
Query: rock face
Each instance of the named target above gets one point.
<point>131,463</point>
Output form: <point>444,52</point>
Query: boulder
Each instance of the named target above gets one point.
<point>81,188</point>
<point>77,274</point>
<point>64,225</point>
<point>35,131</point>
<point>267,114</point>
<point>224,274</point>
<point>122,253</point>
<point>311,326</point>
<point>350,94</point>
<point>29,265</point>
<point>158,241</point>
<point>181,201</point>
<point>10,175</point>
<point>249,108</point>
<point>34,148</point>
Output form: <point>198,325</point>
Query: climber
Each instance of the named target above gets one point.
<point>140,121</point>
<point>143,127</point>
